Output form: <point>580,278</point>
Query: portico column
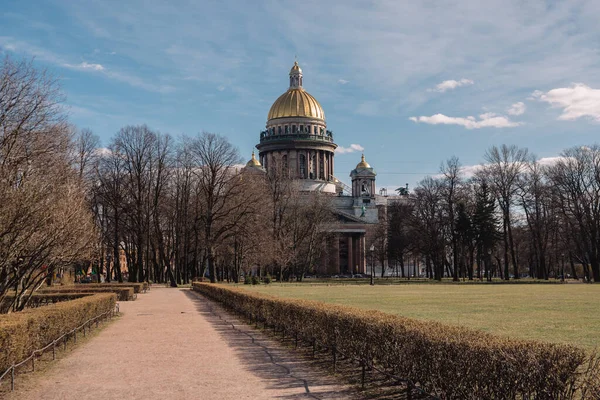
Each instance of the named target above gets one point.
<point>336,256</point>
<point>332,165</point>
<point>350,255</point>
<point>318,160</point>
<point>363,255</point>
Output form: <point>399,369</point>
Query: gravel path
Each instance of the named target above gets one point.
<point>171,344</point>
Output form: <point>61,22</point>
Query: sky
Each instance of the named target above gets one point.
<point>410,83</point>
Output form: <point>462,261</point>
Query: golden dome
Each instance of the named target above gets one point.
<point>296,102</point>
<point>362,164</point>
<point>253,162</point>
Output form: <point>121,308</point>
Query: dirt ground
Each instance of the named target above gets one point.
<point>170,344</point>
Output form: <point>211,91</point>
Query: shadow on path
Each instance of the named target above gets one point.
<point>276,365</point>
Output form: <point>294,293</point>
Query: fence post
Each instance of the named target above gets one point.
<point>54,350</point>
<point>362,379</point>
<point>334,358</point>
<point>83,330</point>
<point>75,335</point>
<point>296,339</point>
<point>33,362</point>
<point>12,378</point>
<point>65,341</point>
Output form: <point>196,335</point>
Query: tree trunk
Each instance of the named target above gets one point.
<point>505,236</point>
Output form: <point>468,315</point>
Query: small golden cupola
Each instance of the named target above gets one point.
<point>253,162</point>
<point>362,164</point>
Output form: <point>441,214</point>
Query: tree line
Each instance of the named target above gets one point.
<point>515,217</point>
<point>186,208</point>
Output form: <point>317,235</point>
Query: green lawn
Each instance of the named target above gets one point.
<point>567,313</point>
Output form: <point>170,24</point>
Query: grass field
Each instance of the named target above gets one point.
<point>567,313</point>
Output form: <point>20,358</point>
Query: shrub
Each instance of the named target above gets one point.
<point>247,280</point>
<point>451,362</point>
<point>255,280</point>
<point>23,332</point>
<point>267,279</point>
<point>123,293</point>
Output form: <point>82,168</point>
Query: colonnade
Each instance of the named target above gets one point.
<point>305,164</point>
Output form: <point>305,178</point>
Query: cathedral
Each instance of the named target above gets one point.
<point>296,136</point>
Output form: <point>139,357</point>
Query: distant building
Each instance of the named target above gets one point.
<point>296,138</point>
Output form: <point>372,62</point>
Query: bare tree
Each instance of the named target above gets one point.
<point>85,148</point>
<point>504,166</point>
<point>44,221</point>
<point>221,188</point>
<point>576,186</point>
<point>451,181</point>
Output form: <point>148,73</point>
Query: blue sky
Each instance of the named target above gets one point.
<point>411,82</point>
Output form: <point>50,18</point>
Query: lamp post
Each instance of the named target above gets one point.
<point>562,267</point>
<point>372,250</point>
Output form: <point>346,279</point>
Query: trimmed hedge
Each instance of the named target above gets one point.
<point>23,332</point>
<point>450,362</point>
<point>137,287</point>
<point>40,299</point>
<point>123,293</point>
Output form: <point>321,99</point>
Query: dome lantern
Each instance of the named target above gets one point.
<point>295,76</point>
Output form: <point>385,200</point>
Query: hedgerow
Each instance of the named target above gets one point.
<point>448,361</point>
<point>38,300</point>
<point>137,287</point>
<point>123,293</point>
<point>23,332</point>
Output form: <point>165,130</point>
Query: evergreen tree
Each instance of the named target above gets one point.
<point>485,227</point>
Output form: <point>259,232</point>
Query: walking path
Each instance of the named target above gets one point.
<point>168,344</point>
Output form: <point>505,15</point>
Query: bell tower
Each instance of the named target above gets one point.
<point>363,182</point>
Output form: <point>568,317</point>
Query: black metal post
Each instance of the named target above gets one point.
<point>363,373</point>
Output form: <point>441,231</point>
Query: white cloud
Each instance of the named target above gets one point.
<point>85,66</point>
<point>517,109</point>
<point>220,88</point>
<point>342,81</point>
<point>451,84</point>
<point>577,101</point>
<point>487,120</point>
<point>350,149</point>
<point>102,152</point>
<point>58,59</point>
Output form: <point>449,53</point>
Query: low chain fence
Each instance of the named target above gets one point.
<point>85,327</point>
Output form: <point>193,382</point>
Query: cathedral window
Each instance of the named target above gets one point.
<point>287,129</point>
<point>302,162</point>
<point>293,128</point>
<point>301,128</point>
<point>322,167</point>
<point>279,130</point>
